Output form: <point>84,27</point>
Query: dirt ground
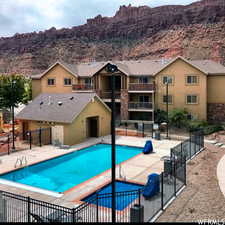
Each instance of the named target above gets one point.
<point>202,198</point>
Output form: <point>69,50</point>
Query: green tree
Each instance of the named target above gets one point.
<point>160,116</point>
<point>178,117</point>
<point>13,90</point>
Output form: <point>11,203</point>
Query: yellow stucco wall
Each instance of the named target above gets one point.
<point>179,89</point>
<point>58,73</point>
<point>77,131</point>
<point>36,88</point>
<point>216,89</point>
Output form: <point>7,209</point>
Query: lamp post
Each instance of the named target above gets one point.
<point>113,68</point>
<point>13,119</point>
<point>167,111</point>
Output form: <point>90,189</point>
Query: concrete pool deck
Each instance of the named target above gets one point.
<point>136,169</point>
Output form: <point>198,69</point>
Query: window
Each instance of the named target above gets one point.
<point>51,81</point>
<point>143,98</point>
<point>67,81</point>
<point>170,99</point>
<point>191,99</point>
<point>143,80</point>
<point>168,79</point>
<point>87,81</point>
<point>191,79</point>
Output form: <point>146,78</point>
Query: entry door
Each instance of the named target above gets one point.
<point>93,126</point>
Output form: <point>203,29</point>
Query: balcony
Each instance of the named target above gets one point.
<point>82,87</point>
<point>141,87</point>
<point>140,106</point>
<point>107,94</point>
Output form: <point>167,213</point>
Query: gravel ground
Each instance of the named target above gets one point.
<point>202,198</point>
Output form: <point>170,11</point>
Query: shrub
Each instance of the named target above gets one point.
<point>212,129</point>
<point>160,116</point>
<point>178,117</point>
<point>196,124</point>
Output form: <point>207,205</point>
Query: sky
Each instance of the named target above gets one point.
<point>21,16</point>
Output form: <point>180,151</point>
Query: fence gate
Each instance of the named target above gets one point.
<point>57,134</point>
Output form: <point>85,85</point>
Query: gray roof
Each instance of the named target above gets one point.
<point>209,66</point>
<point>138,67</point>
<point>40,109</point>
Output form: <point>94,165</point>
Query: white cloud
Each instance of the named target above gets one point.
<point>34,15</point>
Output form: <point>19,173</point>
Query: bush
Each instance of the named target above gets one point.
<point>196,124</point>
<point>212,129</point>
<point>160,116</point>
<point>178,117</point>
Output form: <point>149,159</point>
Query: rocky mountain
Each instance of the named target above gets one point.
<point>194,31</point>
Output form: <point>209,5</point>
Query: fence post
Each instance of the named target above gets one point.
<point>28,208</point>
<point>30,139</point>
<point>97,208</point>
<point>162,175</point>
<point>40,137</point>
<point>143,129</point>
<point>8,145</point>
<point>181,145</point>
<point>152,131</point>
<point>73,216</point>
<point>185,174</point>
<point>195,142</point>
<point>190,146</point>
<point>126,128</point>
<point>50,135</point>
<point>174,170</point>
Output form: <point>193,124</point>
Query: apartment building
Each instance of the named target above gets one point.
<point>196,85</point>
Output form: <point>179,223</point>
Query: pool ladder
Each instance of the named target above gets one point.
<point>20,161</point>
<point>120,173</point>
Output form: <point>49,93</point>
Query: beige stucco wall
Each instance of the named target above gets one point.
<point>77,131</point>
<point>216,89</point>
<point>36,88</point>
<point>179,89</point>
<point>58,73</point>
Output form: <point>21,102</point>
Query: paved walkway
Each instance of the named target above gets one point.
<point>135,169</point>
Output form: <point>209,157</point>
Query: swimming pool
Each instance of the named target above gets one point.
<point>122,201</point>
<point>64,172</point>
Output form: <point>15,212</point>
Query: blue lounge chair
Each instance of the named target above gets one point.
<point>152,187</point>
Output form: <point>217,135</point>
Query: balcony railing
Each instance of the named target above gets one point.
<point>107,94</point>
<point>141,87</point>
<point>140,105</point>
<point>82,87</point>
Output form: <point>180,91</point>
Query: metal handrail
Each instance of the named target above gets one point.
<point>140,105</point>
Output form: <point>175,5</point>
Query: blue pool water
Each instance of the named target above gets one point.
<point>122,201</point>
<point>64,172</point>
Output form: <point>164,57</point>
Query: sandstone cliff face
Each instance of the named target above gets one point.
<point>194,31</point>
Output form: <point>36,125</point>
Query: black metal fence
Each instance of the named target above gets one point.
<point>139,129</point>
<point>25,140</point>
<point>16,208</point>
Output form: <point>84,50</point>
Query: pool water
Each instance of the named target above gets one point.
<point>64,172</point>
<point>122,201</point>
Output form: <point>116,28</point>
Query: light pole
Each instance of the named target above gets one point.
<point>167,110</point>
<point>13,119</point>
<point>113,68</point>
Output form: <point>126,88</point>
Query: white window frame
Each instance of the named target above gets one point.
<point>169,102</point>
<point>67,78</point>
<point>170,79</point>
<point>192,103</point>
<point>53,82</point>
<point>192,83</point>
